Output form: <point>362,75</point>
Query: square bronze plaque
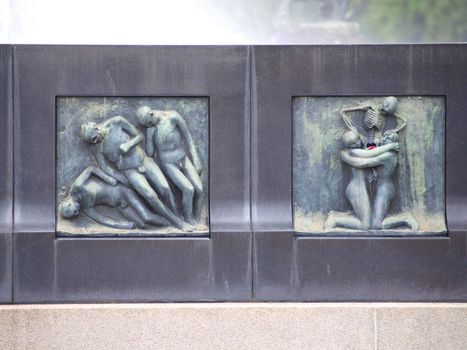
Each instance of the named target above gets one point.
<point>369,165</point>
<point>132,165</point>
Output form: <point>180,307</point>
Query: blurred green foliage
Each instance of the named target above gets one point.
<point>410,20</point>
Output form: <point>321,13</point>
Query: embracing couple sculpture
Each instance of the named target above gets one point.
<point>371,152</point>
<point>129,180</point>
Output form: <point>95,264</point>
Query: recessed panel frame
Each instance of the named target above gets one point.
<point>296,268</point>
<point>48,268</point>
<point>6,172</point>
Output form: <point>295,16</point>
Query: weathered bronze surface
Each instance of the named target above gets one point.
<point>369,164</point>
<point>132,165</point>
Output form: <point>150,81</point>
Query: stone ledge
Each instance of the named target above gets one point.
<point>235,326</point>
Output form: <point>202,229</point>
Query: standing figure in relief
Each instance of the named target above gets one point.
<point>167,135</point>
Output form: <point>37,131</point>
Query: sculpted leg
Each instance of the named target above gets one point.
<point>185,186</point>
<point>385,191</point>
<point>140,210</point>
<point>195,180</point>
<point>395,221</point>
<point>384,196</point>
<point>158,180</point>
<point>129,214</point>
<point>345,220</point>
<point>157,220</point>
<point>357,195</point>
<point>141,185</point>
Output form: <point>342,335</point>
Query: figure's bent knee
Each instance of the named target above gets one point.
<point>365,224</point>
<point>198,189</point>
<point>146,217</point>
<point>376,225</point>
<point>151,198</point>
<point>188,191</point>
<point>166,190</point>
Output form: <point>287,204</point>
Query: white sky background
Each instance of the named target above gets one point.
<point>132,21</point>
<point>174,22</point>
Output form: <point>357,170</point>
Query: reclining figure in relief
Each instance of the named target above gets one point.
<point>93,188</point>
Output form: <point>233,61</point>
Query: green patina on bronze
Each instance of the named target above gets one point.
<point>80,175</point>
<point>320,177</point>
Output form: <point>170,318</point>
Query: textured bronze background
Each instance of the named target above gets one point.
<point>320,177</point>
<point>73,154</point>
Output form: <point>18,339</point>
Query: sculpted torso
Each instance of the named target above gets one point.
<point>116,136</point>
<point>357,184</point>
<point>168,141</point>
<point>97,192</point>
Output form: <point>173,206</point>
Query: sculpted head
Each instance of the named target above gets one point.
<point>69,208</point>
<point>351,139</point>
<point>91,132</point>
<point>390,136</point>
<point>389,105</point>
<point>148,117</point>
<point>145,116</point>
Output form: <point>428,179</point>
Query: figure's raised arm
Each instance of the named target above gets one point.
<point>150,141</point>
<point>130,129</point>
<point>98,217</point>
<point>367,153</point>
<point>180,122</point>
<point>100,174</point>
<point>81,179</point>
<point>346,118</point>
<point>401,123</point>
<point>88,172</point>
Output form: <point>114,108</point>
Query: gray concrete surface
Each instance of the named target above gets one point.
<point>235,326</point>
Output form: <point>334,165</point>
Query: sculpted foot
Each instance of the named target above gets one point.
<point>412,223</point>
<point>187,228</point>
<point>330,222</point>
